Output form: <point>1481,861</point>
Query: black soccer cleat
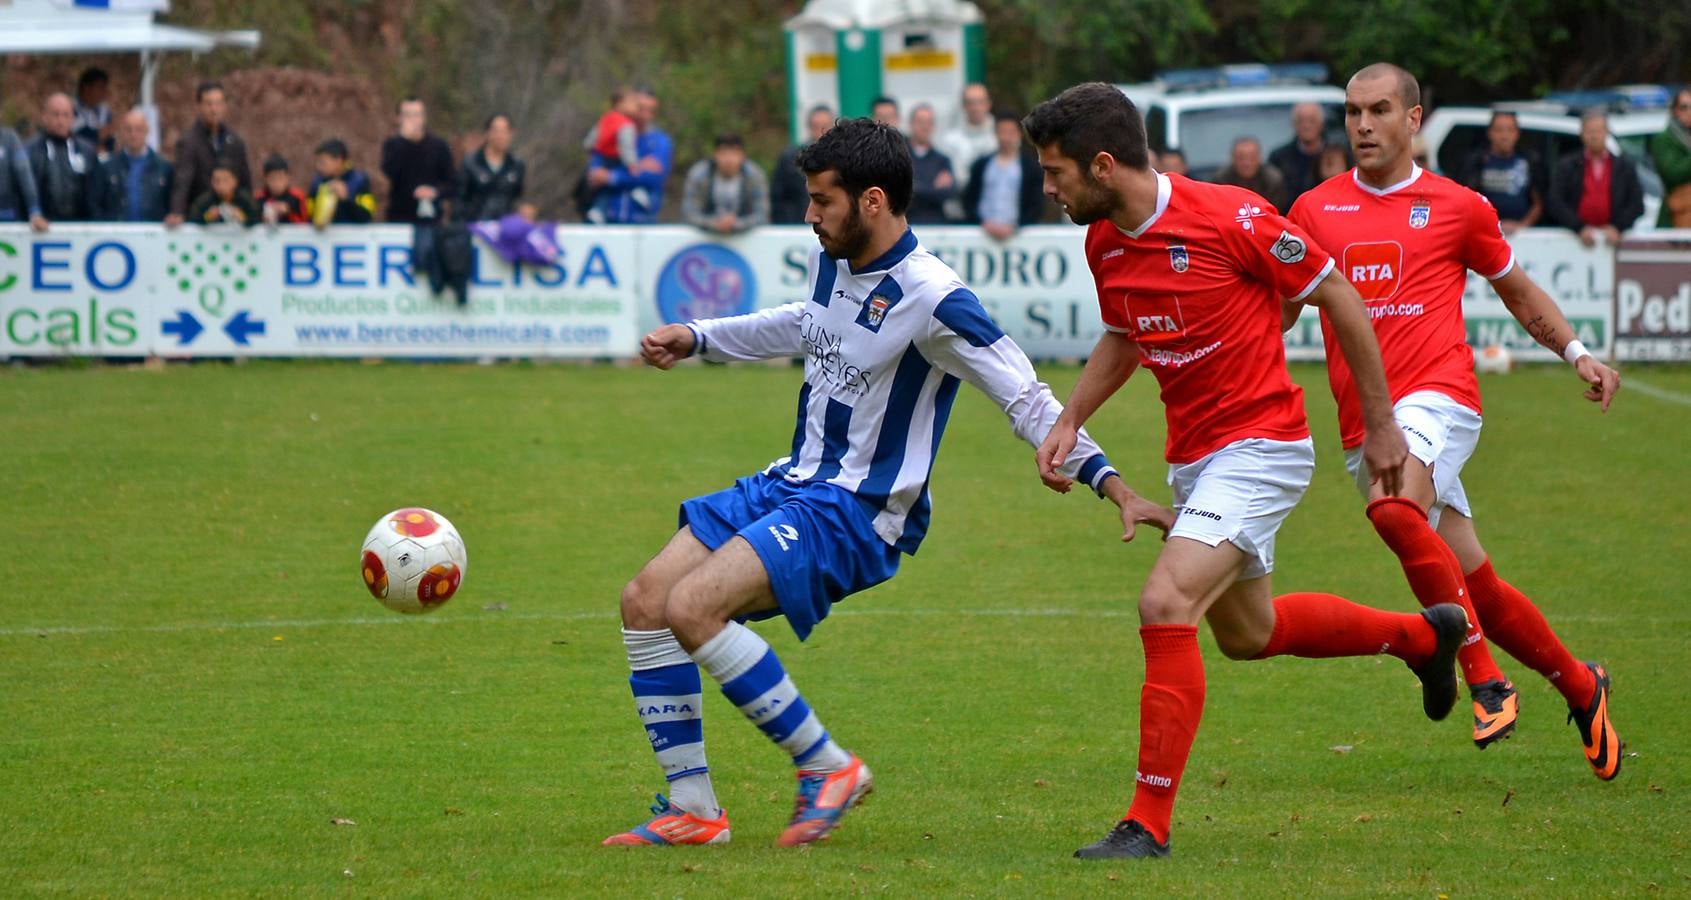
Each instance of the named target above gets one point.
<point>1128,840</point>
<point>1438,675</point>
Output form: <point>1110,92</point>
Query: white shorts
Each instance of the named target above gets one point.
<point>1240,494</point>
<point>1442,434</point>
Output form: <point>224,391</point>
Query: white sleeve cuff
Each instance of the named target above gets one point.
<point>1310,288</point>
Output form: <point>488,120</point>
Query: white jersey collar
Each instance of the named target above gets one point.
<point>1164,188</point>
<point>1414,173</point>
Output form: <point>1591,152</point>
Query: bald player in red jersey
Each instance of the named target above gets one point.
<point>1190,277</point>
<point>1407,238</point>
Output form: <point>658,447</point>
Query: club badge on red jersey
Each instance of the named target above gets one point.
<point>1420,212</point>
<point>1177,257</point>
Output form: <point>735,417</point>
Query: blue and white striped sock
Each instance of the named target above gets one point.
<point>667,696</point>
<point>752,679</point>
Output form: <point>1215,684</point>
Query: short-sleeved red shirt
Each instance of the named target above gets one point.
<point>1198,287</point>
<point>1408,249</point>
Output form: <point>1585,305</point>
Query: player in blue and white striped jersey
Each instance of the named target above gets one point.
<point>888,334</point>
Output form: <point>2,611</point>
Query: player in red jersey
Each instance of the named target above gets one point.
<point>1407,238</point>
<point>1190,277</point>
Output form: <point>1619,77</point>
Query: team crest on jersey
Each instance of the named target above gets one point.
<point>876,310</point>
<point>1420,212</point>
<point>1177,257</point>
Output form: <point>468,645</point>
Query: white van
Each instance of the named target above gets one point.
<point>1200,112</point>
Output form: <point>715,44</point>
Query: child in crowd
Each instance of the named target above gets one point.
<point>226,203</point>
<point>340,194</point>
<point>279,202</point>
<point>613,142</point>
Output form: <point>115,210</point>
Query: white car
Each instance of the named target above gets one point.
<point>1550,130</point>
<point>1200,112</point>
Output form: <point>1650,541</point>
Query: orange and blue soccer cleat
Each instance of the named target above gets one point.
<point>1495,710</point>
<point>1602,745</point>
<point>823,799</point>
<point>672,825</point>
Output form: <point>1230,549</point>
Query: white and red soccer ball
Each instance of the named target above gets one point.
<point>413,560</point>
<point>1494,360</point>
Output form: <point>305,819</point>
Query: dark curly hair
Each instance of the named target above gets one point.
<point>862,154</point>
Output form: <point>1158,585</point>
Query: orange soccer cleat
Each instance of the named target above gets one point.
<point>672,825</point>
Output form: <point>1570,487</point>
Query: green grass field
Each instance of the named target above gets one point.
<point>196,683</point>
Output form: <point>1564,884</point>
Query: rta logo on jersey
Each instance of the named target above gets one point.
<point>1373,268</point>
<point>784,533</point>
<point>1420,212</point>
<point>1177,257</point>
<point>1288,248</point>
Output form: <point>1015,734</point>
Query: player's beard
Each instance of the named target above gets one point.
<point>1094,201</point>
<point>851,240</point>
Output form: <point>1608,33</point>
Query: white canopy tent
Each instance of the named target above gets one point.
<point>39,27</point>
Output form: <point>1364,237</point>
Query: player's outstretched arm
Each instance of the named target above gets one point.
<point>765,334</point>
<point>1543,319</point>
<point>1113,359</point>
<point>1383,446</point>
<point>963,341</point>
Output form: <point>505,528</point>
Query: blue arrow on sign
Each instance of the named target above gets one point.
<point>240,327</point>
<point>184,326</point>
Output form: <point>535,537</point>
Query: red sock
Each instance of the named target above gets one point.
<point>1170,705</point>
<point>1516,625</point>
<point>1320,626</point>
<point>1435,576</point>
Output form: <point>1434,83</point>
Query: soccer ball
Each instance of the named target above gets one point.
<point>413,560</point>
<point>1494,360</point>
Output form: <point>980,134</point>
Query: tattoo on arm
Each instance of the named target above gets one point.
<point>1542,332</point>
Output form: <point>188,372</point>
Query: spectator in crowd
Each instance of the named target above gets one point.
<point>885,111</point>
<point>935,182</point>
<point>135,181</point>
<point>207,142</point>
<point>635,196</point>
<point>1595,192</point>
<point>1297,160</point>
<point>975,136</point>
<point>340,194</point>
<point>1511,178</point>
<point>788,195</point>
<point>1334,161</point>
<point>1171,162</point>
<point>726,193</point>
<point>1672,152</point>
<point>492,180</point>
<point>1006,187</point>
<point>418,166</point>
<point>613,140</point>
<point>279,202</point>
<point>612,143</point>
<point>226,203</point>
<point>19,201</point>
<point>65,166</point>
<point>1246,169</point>
<point>93,111</point>
<point>1417,151</point>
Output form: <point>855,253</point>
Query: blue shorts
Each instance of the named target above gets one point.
<point>817,542</point>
